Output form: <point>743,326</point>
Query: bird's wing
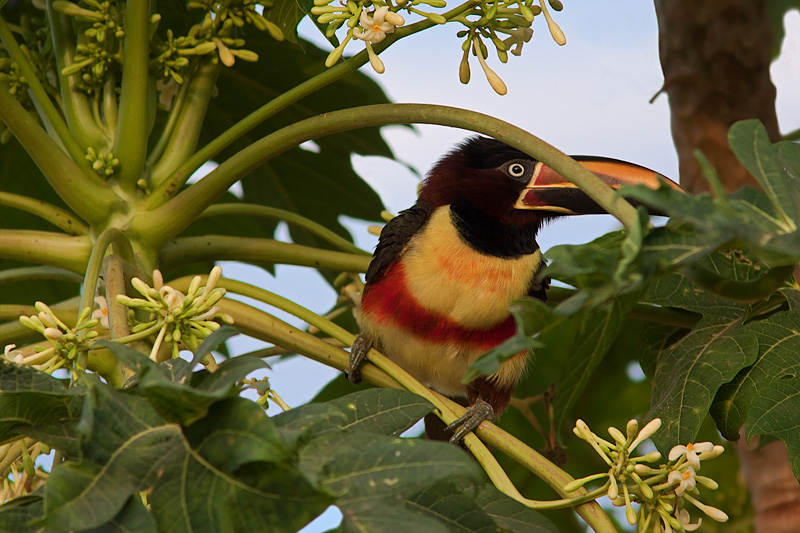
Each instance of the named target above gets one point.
<point>539,284</point>
<point>395,238</point>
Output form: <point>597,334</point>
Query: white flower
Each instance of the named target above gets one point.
<point>101,313</point>
<point>685,518</point>
<point>690,451</point>
<point>374,28</point>
<point>684,478</point>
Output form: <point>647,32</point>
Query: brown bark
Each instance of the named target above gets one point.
<point>715,55</point>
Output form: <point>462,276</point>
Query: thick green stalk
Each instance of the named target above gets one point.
<point>224,247</point>
<point>55,215</point>
<point>168,189</point>
<point>172,217</point>
<point>43,101</point>
<point>81,191</point>
<point>185,132</point>
<point>130,143</point>
<point>74,103</point>
<point>254,210</point>
<point>54,249</point>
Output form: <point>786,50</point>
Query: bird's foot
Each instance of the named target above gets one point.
<point>476,413</point>
<point>358,353</point>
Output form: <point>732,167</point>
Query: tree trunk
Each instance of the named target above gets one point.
<point>715,55</point>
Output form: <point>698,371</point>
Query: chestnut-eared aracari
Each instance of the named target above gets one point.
<point>444,271</point>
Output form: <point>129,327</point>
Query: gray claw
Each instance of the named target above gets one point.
<point>477,413</point>
<point>357,355</point>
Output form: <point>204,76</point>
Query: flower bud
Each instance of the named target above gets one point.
<point>53,334</point>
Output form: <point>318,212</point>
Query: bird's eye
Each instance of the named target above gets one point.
<point>515,170</point>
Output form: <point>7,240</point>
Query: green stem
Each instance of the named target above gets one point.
<point>80,190</point>
<point>172,217</point>
<point>224,247</point>
<point>122,247</point>
<point>13,275</point>
<point>185,133</point>
<point>550,473</point>
<point>44,103</point>
<point>254,210</point>
<point>110,109</point>
<point>55,249</point>
<point>130,142</point>
<point>169,188</point>
<point>55,215</point>
<point>74,103</point>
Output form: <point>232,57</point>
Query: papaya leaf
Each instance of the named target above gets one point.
<point>382,411</point>
<point>31,398</point>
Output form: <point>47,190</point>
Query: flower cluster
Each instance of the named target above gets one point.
<point>66,344</point>
<point>370,26</point>
<point>104,164</point>
<point>98,50</point>
<point>217,33</point>
<point>182,320</point>
<point>371,20</point>
<point>662,491</point>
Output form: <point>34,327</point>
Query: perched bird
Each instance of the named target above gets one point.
<point>444,271</point>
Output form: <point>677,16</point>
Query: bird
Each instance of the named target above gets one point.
<point>444,271</point>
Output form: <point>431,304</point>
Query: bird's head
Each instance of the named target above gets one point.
<point>515,189</point>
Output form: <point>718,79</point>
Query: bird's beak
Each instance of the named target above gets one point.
<point>550,191</point>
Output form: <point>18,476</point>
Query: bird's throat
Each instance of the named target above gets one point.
<point>490,236</point>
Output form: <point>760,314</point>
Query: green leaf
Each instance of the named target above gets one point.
<point>29,397</point>
<point>382,411</point>
<point>129,447</point>
<point>178,393</point>
<point>287,14</point>
<point>774,412</point>
<point>19,514</point>
<point>134,517</point>
<point>689,373</point>
<point>583,352</point>
<point>752,146</point>
<point>241,425</point>
<point>743,400</point>
<point>452,506</point>
<point>509,514</point>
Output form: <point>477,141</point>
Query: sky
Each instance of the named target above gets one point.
<point>590,97</point>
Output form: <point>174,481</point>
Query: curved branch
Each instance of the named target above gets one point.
<point>54,249</point>
<point>55,215</point>
<point>109,237</point>
<point>172,217</point>
<point>224,247</point>
<point>255,210</point>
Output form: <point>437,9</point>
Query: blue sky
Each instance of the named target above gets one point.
<point>588,97</point>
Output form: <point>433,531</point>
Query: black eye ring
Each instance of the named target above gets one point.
<point>515,170</point>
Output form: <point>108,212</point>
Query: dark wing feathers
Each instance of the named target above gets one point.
<point>395,237</point>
